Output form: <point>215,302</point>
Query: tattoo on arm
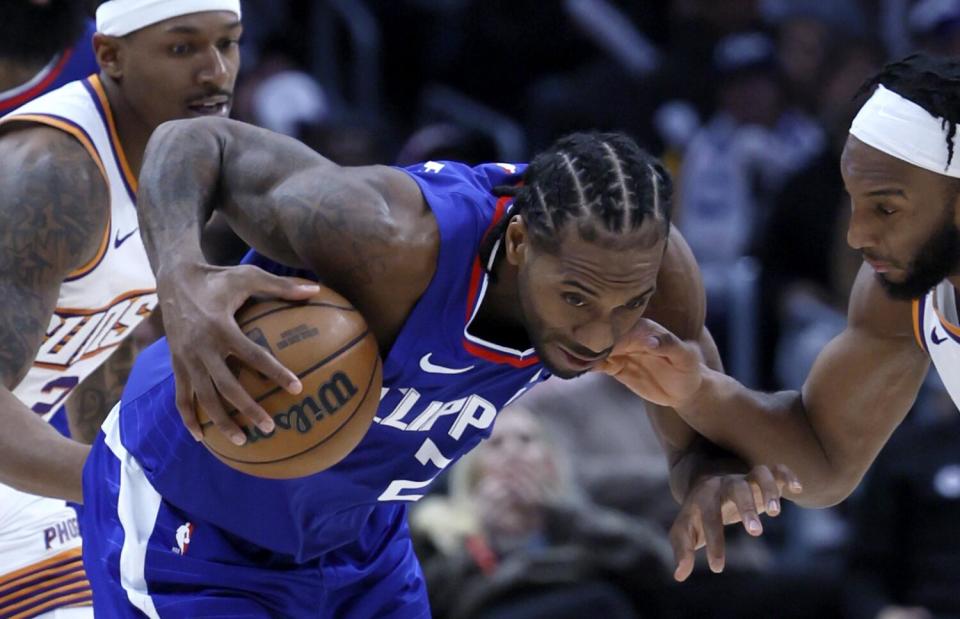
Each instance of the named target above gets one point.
<point>91,401</point>
<point>275,192</point>
<point>181,169</point>
<point>53,211</point>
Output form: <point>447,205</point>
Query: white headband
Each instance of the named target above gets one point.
<point>118,18</point>
<point>902,129</point>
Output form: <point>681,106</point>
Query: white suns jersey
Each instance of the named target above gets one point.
<point>936,323</point>
<point>101,302</point>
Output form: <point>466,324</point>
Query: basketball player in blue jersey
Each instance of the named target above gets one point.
<point>44,44</point>
<point>901,169</point>
<point>74,276</point>
<point>478,283</point>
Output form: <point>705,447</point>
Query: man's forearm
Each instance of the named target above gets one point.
<point>766,428</point>
<point>34,457</point>
<point>701,459</point>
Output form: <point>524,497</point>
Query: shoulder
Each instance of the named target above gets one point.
<point>459,192</point>
<point>679,303</point>
<point>874,312</point>
<point>52,186</point>
<point>35,144</point>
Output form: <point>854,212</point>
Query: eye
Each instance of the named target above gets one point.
<point>635,303</point>
<point>574,299</point>
<point>884,210</point>
<point>227,44</point>
<point>180,49</point>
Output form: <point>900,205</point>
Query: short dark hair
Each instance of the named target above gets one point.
<point>601,181</point>
<point>932,82</point>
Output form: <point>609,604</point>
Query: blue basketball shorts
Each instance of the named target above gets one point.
<point>146,558</point>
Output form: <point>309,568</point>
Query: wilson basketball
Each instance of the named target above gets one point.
<point>327,343</point>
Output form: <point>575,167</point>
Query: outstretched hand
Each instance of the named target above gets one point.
<point>199,303</point>
<point>720,500</point>
<point>656,365</point>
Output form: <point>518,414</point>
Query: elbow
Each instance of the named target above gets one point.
<point>832,490</point>
<point>186,130</point>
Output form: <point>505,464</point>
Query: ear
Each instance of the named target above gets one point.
<point>108,52</point>
<point>516,240</point>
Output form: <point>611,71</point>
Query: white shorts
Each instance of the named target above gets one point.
<point>41,569</point>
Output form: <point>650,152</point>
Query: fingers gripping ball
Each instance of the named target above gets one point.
<point>328,344</point>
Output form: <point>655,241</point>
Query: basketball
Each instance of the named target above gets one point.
<point>327,344</point>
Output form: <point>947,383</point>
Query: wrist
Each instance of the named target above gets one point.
<point>694,402</point>
<point>180,264</point>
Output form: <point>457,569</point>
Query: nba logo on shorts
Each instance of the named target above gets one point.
<point>184,531</point>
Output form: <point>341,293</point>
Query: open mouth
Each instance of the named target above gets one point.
<point>578,361</point>
<point>211,106</point>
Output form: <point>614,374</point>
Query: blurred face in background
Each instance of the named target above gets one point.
<point>516,475</point>
<point>752,98</point>
<point>801,50</point>
<point>518,442</point>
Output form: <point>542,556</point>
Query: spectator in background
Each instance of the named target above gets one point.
<point>738,161</point>
<point>524,542</point>
<point>807,269</point>
<point>619,461</point>
<point>803,42</point>
<point>905,551</point>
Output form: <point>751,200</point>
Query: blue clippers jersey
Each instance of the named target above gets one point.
<point>73,64</point>
<point>442,389</point>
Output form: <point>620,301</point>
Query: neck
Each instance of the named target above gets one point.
<point>500,318</point>
<point>132,130</point>
<point>954,281</point>
<point>15,73</point>
<point>502,301</point>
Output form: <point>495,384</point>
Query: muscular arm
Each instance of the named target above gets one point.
<point>366,231</point>
<point>53,211</point>
<point>680,305</point>
<point>860,388</point>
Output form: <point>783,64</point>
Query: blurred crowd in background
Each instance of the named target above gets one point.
<point>564,512</point>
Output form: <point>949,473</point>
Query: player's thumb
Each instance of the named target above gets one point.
<point>656,338</point>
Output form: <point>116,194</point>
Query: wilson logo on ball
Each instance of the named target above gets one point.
<point>331,396</point>
<point>326,342</point>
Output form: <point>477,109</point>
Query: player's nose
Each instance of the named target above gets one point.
<point>861,234</point>
<point>597,336</point>
<point>214,69</point>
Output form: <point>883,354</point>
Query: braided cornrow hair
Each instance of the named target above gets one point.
<point>931,82</point>
<point>600,181</point>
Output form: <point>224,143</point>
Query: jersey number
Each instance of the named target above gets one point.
<point>428,453</point>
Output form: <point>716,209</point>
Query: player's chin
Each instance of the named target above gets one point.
<point>563,366</point>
